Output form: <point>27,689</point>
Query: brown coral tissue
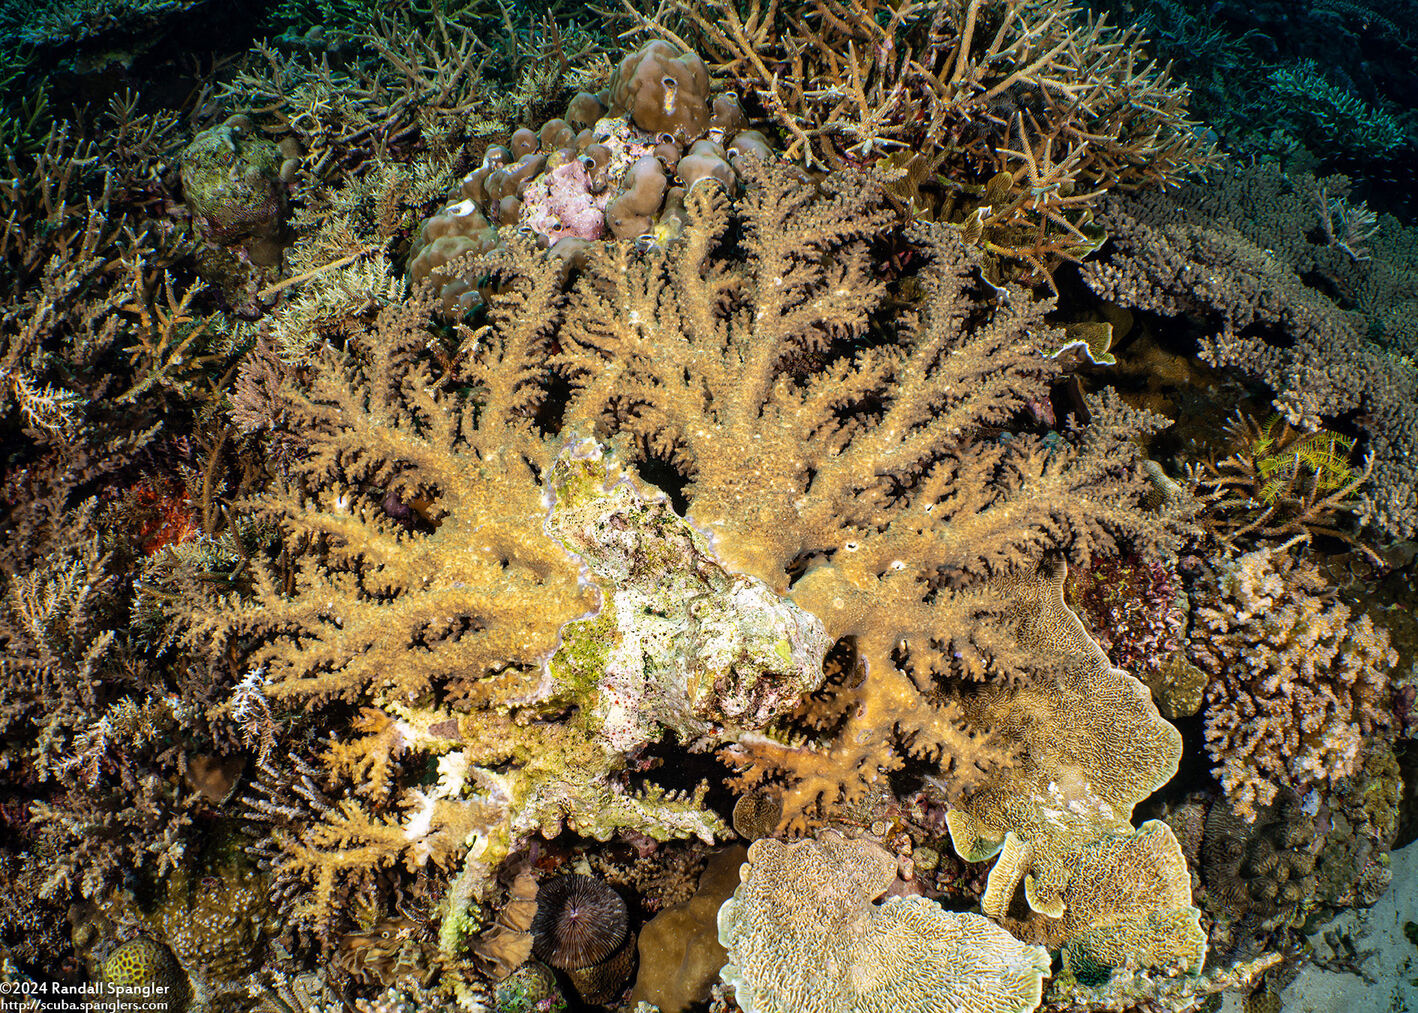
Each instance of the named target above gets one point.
<point>1297,682</point>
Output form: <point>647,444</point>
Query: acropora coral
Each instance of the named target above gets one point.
<point>461,471</point>
<point>1296,682</point>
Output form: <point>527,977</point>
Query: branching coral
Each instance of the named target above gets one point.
<point>1235,260</point>
<point>1296,683</point>
<point>861,475</point>
<point>1018,115</point>
<point>524,613</point>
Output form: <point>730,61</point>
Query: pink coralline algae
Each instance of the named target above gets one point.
<point>1131,607</point>
<point>560,203</point>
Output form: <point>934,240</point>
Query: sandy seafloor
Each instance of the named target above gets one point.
<point>1393,965</point>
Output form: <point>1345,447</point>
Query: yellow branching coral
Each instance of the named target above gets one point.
<point>804,936</point>
<point>515,604</point>
<point>851,473</point>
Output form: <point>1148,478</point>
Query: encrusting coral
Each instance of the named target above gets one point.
<point>680,952</point>
<point>803,934</point>
<point>1296,682</point>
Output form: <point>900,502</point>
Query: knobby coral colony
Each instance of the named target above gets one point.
<point>719,455</point>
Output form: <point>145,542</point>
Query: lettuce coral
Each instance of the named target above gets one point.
<point>803,934</point>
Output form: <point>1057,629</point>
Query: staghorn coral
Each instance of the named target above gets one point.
<point>408,87</point>
<point>972,105</point>
<point>1296,684</point>
<point>802,933</point>
<point>564,772</point>
<point>1235,260</point>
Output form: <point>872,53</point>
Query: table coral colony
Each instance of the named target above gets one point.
<point>701,550</point>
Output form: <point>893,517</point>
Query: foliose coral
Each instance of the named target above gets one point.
<point>802,933</point>
<point>1090,744</point>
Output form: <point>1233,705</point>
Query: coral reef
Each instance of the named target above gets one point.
<point>970,96</point>
<point>1191,254</point>
<point>460,468</point>
<point>1295,683</point>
